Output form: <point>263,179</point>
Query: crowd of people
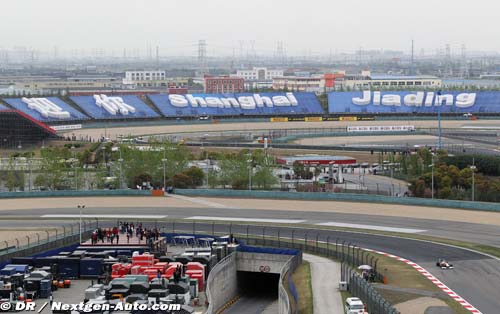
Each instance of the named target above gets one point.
<point>128,229</point>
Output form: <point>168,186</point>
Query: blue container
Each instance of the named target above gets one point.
<point>68,268</point>
<point>24,260</point>
<point>91,267</point>
<point>8,271</point>
<point>45,293</point>
<point>20,268</point>
<point>124,252</point>
<point>45,284</point>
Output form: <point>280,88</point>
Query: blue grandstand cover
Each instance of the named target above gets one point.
<point>250,104</point>
<point>47,109</point>
<point>413,102</point>
<point>2,107</point>
<point>114,107</point>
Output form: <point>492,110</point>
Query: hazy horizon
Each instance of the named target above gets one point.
<point>304,27</point>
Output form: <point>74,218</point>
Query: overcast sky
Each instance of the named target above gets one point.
<point>303,25</point>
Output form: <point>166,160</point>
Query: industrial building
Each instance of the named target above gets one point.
<point>224,84</point>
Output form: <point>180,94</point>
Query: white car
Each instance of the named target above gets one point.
<point>354,306</point>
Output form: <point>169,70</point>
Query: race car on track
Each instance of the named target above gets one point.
<point>443,264</point>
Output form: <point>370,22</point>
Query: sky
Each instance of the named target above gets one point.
<point>312,27</point>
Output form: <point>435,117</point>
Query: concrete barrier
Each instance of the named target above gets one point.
<point>75,193</point>
<point>320,196</point>
<point>222,285</point>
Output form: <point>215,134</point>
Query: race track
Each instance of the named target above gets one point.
<point>474,277</point>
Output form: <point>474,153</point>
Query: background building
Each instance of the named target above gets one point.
<point>224,84</point>
<point>365,80</point>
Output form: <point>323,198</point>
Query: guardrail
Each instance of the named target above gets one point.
<point>285,305</point>
<point>324,196</point>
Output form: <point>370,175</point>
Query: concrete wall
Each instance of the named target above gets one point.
<point>222,284</point>
<point>261,262</point>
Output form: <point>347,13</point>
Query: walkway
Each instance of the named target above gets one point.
<point>325,275</point>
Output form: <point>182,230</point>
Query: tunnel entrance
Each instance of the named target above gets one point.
<point>258,284</point>
<point>257,292</point>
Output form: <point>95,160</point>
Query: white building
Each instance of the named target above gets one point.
<point>145,75</point>
<point>259,74</point>
<point>145,79</point>
<point>314,84</point>
<point>366,80</point>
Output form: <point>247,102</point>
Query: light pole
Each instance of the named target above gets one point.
<point>207,161</point>
<point>81,207</point>
<point>249,174</point>
<point>74,166</point>
<point>473,168</point>
<point>29,166</point>
<point>121,169</point>
<point>164,161</point>
<point>440,103</point>
<point>432,183</point>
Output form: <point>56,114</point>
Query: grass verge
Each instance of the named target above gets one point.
<point>302,279</point>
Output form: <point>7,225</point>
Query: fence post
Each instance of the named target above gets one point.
<point>57,231</point>
<point>28,237</point>
<point>342,255</point>
<point>230,228</point>
<point>328,246</point>
<point>6,246</point>
<point>248,227</point>
<point>279,242</point>
<point>48,236</point>
<point>293,236</point>
<point>38,238</point>
<point>17,241</point>
<point>317,243</point>
<point>305,242</point>
<point>264,235</point>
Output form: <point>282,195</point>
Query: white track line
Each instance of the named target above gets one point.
<point>106,216</point>
<point>198,201</point>
<point>370,227</point>
<point>284,221</point>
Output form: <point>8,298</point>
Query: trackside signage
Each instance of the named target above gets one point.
<point>380,128</point>
<point>244,102</point>
<point>238,104</point>
<point>414,101</point>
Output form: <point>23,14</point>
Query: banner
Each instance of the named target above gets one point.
<point>66,127</point>
<point>378,128</point>
<point>314,119</point>
<point>413,102</point>
<point>279,119</point>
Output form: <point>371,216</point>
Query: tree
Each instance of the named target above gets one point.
<point>40,182</point>
<point>196,175</point>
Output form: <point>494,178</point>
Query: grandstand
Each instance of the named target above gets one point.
<point>305,104</point>
<point>413,102</point>
<point>18,128</point>
<point>102,107</point>
<point>48,109</point>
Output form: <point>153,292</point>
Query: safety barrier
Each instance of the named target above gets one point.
<point>75,193</point>
<point>221,289</point>
<point>323,196</point>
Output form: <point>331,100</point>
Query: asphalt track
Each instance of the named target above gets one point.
<point>476,277</point>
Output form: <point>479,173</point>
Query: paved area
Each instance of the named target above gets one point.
<point>325,277</point>
<point>112,133</point>
<point>164,205</point>
<point>423,305</point>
